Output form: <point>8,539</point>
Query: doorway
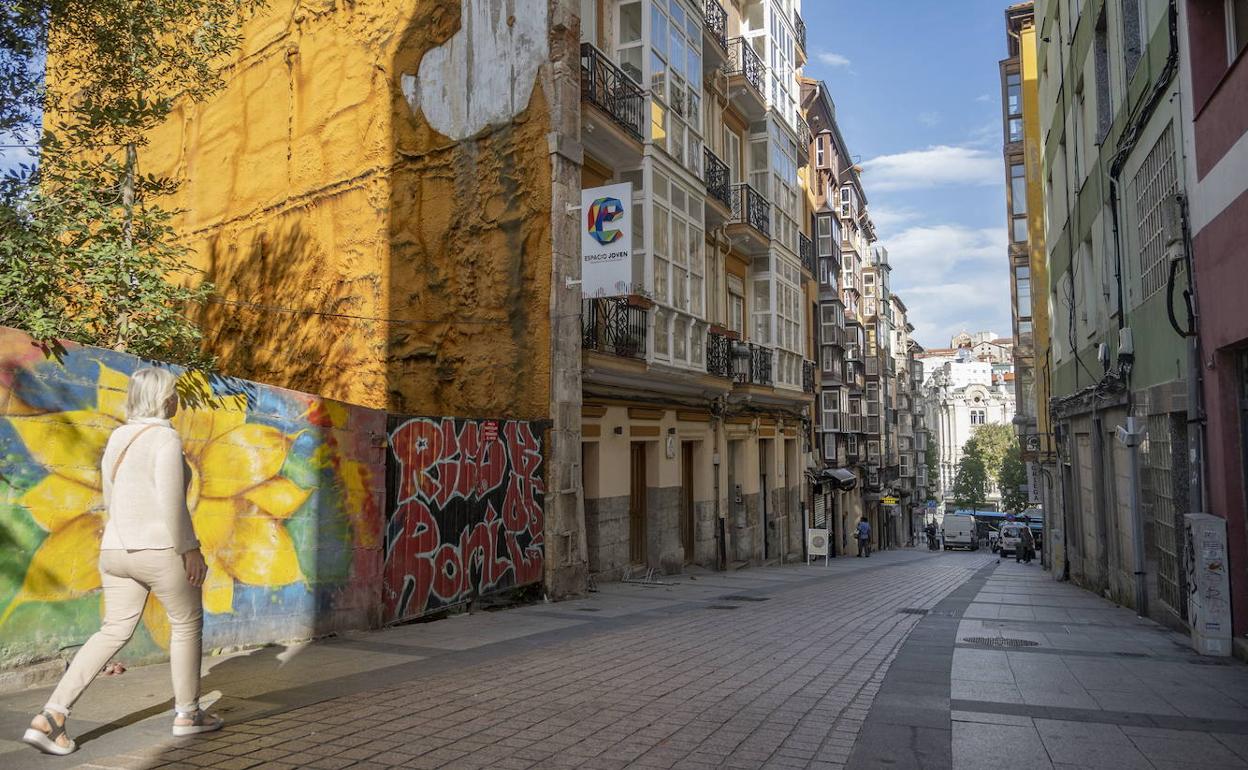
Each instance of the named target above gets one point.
<point>764,493</point>
<point>687,527</point>
<point>637,504</point>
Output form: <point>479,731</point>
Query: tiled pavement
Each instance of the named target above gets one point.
<point>701,673</point>
<point>1093,686</point>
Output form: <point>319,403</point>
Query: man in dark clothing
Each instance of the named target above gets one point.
<point>864,538</point>
<point>1026,545</point>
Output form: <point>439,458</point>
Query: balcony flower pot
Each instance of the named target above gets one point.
<point>637,300</point>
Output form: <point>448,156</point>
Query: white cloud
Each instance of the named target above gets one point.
<point>831,59</point>
<point>887,219</point>
<point>984,98</point>
<point>929,119</point>
<point>951,278</point>
<point>937,166</point>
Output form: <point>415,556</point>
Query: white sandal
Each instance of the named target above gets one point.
<point>201,722</point>
<point>46,742</point>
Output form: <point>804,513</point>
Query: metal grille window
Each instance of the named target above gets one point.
<point>1159,498</point>
<point>1156,179</point>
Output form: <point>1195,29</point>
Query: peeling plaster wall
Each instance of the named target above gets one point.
<point>365,247</point>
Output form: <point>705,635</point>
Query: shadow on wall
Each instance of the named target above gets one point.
<point>470,242</point>
<point>286,495</point>
<point>268,283</point>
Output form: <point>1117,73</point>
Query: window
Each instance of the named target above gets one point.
<point>978,416</point>
<point>1016,129</point>
<point>1156,180</point>
<point>1236,27</point>
<point>589,21</point>
<point>851,445</point>
<point>1133,18</point>
<point>1013,94</point>
<point>628,52</point>
<point>676,84</point>
<point>820,154</point>
<point>1022,289</point>
<point>829,446</point>
<point>1104,99</point>
<point>830,400</point>
<point>823,234</point>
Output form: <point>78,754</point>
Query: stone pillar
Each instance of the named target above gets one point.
<point>566,559</point>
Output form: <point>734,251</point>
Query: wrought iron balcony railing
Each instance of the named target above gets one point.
<point>612,325</point>
<point>717,179</point>
<point>743,60</point>
<point>716,20</point>
<point>751,208</point>
<point>804,140</point>
<point>718,355</point>
<point>808,376</point>
<point>806,250</point>
<point>800,26</point>
<point>605,86</point>
<point>751,364</point>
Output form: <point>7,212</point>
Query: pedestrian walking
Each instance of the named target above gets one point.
<point>864,537</point>
<point>1026,545</point>
<point>148,546</point>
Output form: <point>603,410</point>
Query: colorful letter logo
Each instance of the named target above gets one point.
<point>603,212</point>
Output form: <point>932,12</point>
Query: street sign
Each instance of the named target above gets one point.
<point>888,500</point>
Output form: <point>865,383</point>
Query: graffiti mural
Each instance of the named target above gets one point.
<point>465,511</point>
<point>286,496</point>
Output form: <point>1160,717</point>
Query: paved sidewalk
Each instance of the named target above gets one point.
<point>776,666</point>
<point>1017,670</point>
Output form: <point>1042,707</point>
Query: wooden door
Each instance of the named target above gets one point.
<point>686,499</point>
<point>637,505</point>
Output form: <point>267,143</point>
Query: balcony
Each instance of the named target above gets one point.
<point>806,250</point>
<point>804,141</point>
<point>749,207</point>
<point>605,86</point>
<point>717,182</point>
<point>808,376</point>
<point>612,325</point>
<point>715,20</point>
<point>747,78</point>
<point>751,364</point>
<point>718,355</point>
<point>799,26</point>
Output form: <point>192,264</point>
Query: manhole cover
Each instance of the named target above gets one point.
<point>912,611</point>
<point>735,598</point>
<point>721,607</point>
<point>1000,641</point>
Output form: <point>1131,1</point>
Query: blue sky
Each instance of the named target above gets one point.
<point>917,96</point>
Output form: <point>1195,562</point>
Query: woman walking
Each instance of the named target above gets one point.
<point>149,545</point>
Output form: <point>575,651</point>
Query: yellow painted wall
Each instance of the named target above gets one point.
<point>358,253</point>
<point>1034,168</point>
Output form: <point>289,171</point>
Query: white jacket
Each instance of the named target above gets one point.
<point>147,504</point>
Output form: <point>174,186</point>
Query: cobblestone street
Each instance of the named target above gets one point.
<point>860,663</point>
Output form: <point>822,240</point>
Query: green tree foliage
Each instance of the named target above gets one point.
<point>87,251</point>
<point>970,483</point>
<point>1012,480</point>
<point>993,442</point>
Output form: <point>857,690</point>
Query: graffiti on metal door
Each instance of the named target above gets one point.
<point>465,511</point>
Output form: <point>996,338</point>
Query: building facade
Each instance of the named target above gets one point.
<point>698,385</point>
<point>957,398</point>
<point>1112,141</point>
<point>1214,78</point>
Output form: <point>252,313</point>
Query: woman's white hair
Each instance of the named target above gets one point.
<point>149,393</point>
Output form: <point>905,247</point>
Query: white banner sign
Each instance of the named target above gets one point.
<point>1034,492</point>
<point>607,240</point>
<point>817,544</point>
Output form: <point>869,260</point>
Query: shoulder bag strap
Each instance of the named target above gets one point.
<point>112,478</point>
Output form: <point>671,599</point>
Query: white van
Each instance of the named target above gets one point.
<point>959,532</point>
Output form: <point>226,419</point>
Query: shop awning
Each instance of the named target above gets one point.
<point>839,478</point>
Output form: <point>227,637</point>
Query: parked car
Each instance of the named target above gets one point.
<point>958,531</point>
<point>1011,536</point>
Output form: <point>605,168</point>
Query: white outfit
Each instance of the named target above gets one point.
<point>147,503</point>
